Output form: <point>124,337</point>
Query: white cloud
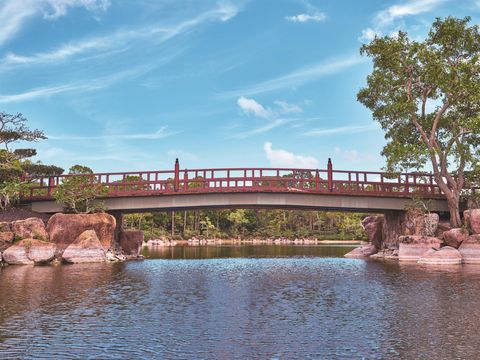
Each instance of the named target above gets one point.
<point>299,77</point>
<point>14,13</point>
<point>124,37</point>
<point>410,7</point>
<point>303,18</point>
<point>79,86</point>
<point>250,106</point>
<point>369,34</point>
<point>159,134</point>
<point>340,130</point>
<point>283,158</point>
<point>287,108</point>
<point>349,155</point>
<point>261,129</point>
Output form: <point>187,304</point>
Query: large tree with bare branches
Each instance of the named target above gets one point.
<point>426,97</point>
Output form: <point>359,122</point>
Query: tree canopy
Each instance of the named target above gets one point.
<point>426,97</point>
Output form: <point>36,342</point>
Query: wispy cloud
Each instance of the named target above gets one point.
<point>284,158</point>
<point>14,13</point>
<point>287,108</point>
<point>78,86</point>
<point>340,130</point>
<point>122,38</point>
<point>161,133</point>
<point>298,77</point>
<point>303,18</point>
<point>261,129</point>
<point>251,106</point>
<point>408,8</point>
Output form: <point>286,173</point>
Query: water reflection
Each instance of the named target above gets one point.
<point>240,308</point>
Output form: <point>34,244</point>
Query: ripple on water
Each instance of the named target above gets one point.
<point>239,308</point>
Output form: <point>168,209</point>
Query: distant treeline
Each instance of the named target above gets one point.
<point>248,223</point>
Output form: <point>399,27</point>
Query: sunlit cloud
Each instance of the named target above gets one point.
<point>283,158</point>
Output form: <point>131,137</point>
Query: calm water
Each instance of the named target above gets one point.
<point>240,308</point>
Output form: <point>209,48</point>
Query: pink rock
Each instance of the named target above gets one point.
<point>373,226</point>
<point>29,251</point>
<point>87,248</point>
<point>412,247</point>
<point>6,240</point>
<point>32,228</point>
<point>474,220</point>
<point>470,250</point>
<point>447,255</point>
<point>362,251</point>
<point>455,237</point>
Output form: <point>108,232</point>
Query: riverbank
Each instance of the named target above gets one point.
<point>279,241</point>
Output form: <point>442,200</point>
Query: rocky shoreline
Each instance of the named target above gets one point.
<point>425,239</point>
<point>67,238</point>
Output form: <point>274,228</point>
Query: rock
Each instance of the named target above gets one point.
<point>64,229</point>
<point>131,242</point>
<point>6,239</point>
<point>422,224</point>
<point>5,226</point>
<point>29,251</point>
<point>412,247</point>
<point>470,250</point>
<point>455,237</point>
<point>110,256</point>
<point>85,249</point>
<point>466,219</point>
<point>473,216</point>
<point>443,225</point>
<point>373,226</point>
<point>362,251</point>
<point>447,255</point>
<point>33,228</point>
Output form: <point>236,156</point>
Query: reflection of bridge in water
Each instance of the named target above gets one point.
<point>250,188</point>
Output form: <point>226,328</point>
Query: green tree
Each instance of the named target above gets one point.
<point>17,172</point>
<point>426,97</point>
<point>238,218</point>
<point>78,191</point>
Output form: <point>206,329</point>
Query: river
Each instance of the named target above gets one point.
<point>265,302</point>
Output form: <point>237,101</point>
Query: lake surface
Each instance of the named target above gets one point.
<point>303,307</point>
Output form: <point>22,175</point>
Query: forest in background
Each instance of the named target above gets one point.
<point>248,224</point>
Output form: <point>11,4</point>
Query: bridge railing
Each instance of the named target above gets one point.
<point>144,183</point>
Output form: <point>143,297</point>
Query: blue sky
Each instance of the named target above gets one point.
<point>124,85</point>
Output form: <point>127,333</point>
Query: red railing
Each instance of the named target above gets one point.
<point>186,181</point>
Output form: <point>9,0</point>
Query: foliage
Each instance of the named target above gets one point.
<point>15,165</point>
<point>78,193</point>
<point>426,97</point>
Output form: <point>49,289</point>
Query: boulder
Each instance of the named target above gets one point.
<point>362,251</point>
<point>422,224</point>
<point>470,250</point>
<point>131,242</point>
<point>443,225</point>
<point>6,239</point>
<point>412,247</point>
<point>33,228</point>
<point>373,226</point>
<point>64,229</point>
<point>447,255</point>
<point>455,237</point>
<point>5,226</point>
<point>85,249</point>
<point>29,251</point>
<point>472,220</point>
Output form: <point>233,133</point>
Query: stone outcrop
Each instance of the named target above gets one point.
<point>131,242</point>
<point>6,240</point>
<point>443,225</point>
<point>412,247</point>
<point>447,255</point>
<point>30,228</point>
<point>5,226</point>
<point>455,237</point>
<point>373,226</point>
<point>29,251</point>
<point>85,249</point>
<point>470,250</point>
<point>421,224</point>
<point>64,229</point>
<point>472,220</point>
<point>362,251</point>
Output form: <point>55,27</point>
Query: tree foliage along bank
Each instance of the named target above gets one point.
<point>248,223</point>
<point>426,97</point>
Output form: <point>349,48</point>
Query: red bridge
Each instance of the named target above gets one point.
<point>249,187</point>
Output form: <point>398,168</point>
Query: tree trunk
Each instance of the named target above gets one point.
<point>453,201</point>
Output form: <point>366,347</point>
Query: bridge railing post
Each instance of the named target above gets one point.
<point>176,180</point>
<point>185,180</point>
<point>51,185</point>
<point>330,175</point>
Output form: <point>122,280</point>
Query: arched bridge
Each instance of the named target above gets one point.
<point>180,189</point>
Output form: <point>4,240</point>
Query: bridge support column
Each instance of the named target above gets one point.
<point>118,215</point>
<point>394,225</point>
